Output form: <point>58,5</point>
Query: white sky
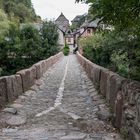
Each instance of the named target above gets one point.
<point>51,9</point>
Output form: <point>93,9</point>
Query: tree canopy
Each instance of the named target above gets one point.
<point>119,48</point>
<point>20,9</point>
<point>119,13</point>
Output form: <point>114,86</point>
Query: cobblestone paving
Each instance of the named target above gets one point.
<point>63,105</point>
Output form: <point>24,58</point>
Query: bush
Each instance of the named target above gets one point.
<point>49,39</point>
<point>115,51</point>
<point>22,47</point>
<point>66,50</point>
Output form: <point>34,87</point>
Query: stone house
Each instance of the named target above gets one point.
<point>88,28</point>
<point>63,25</point>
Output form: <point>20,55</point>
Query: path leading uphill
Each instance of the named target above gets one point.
<point>63,105</point>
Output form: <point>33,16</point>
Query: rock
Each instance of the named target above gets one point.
<point>59,134</point>
<point>104,114</point>
<point>112,136</point>
<point>3,92</point>
<point>74,136</point>
<point>16,105</point>
<point>16,121</point>
<point>10,110</point>
<point>9,130</point>
<point>130,115</point>
<point>108,138</point>
<point>74,116</point>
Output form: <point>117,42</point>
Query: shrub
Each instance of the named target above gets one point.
<point>116,51</point>
<point>66,50</point>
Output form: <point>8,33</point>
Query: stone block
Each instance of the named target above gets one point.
<point>104,81</point>
<point>133,135</point>
<point>3,92</point>
<point>43,66</point>
<point>95,74</point>
<point>39,71</point>
<point>81,59</point>
<point>118,111</point>
<point>138,108</point>
<point>49,62</point>
<point>10,88</point>
<point>28,77</point>
<point>88,68</point>
<point>26,81</point>
<point>17,87</point>
<point>33,75</point>
<point>114,85</point>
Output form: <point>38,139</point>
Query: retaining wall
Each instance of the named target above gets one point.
<point>13,86</point>
<point>122,95</point>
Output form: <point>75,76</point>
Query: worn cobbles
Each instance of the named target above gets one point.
<point>63,105</point>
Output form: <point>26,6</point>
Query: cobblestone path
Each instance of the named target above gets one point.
<point>63,105</point>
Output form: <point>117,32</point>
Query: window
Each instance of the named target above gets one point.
<point>69,39</point>
<point>88,31</point>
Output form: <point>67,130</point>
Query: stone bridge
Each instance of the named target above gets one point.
<point>68,98</point>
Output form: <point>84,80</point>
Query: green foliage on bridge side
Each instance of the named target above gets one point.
<point>114,51</point>
<point>20,48</point>
<point>49,39</point>
<point>66,50</point>
<point>119,49</point>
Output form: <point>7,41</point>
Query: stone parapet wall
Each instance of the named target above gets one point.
<point>13,86</point>
<point>122,95</point>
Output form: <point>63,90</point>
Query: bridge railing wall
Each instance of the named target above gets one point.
<point>13,86</point>
<point>122,95</point>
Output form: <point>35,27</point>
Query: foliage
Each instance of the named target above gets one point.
<point>80,21</point>
<point>4,24</point>
<point>20,9</point>
<point>49,38</point>
<point>12,45</point>
<point>125,133</point>
<point>26,45</point>
<point>66,50</point>
<point>117,13</point>
<point>113,50</point>
<point>30,42</point>
<point>119,49</point>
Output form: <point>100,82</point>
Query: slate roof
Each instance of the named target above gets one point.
<point>62,22</point>
<point>90,24</point>
<point>77,18</point>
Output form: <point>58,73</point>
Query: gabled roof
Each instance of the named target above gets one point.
<point>77,18</point>
<point>90,24</point>
<point>62,22</point>
<point>62,18</point>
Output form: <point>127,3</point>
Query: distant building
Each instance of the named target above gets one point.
<point>76,20</point>
<point>62,24</point>
<point>88,28</point>
<point>69,37</point>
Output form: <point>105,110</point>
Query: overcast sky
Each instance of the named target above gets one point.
<point>51,9</point>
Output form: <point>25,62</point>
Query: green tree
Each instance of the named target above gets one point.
<point>124,16</point>
<point>30,43</point>
<point>50,38</point>
<point>23,10</point>
<point>4,24</point>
